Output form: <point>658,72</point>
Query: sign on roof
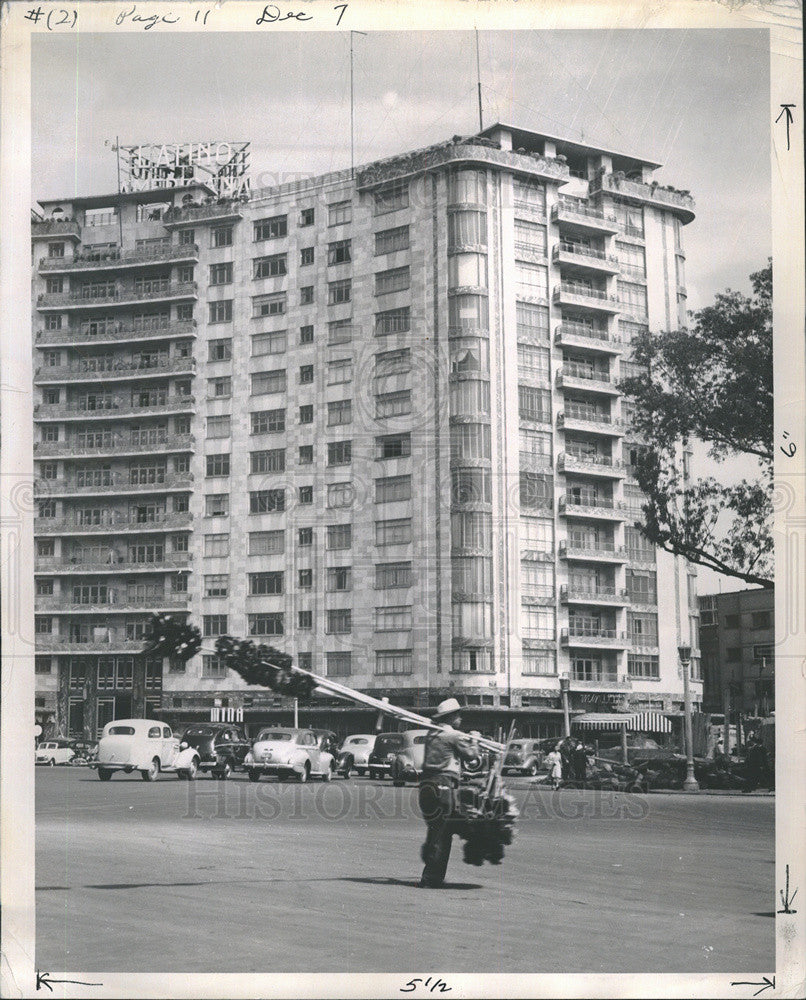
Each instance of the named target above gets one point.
<point>220,165</point>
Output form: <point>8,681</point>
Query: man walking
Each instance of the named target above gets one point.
<point>445,750</point>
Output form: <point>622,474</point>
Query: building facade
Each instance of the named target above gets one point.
<point>737,643</point>
<point>372,418</point>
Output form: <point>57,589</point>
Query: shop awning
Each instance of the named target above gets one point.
<point>636,722</point>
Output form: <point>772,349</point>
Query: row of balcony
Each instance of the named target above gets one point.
<point>680,202</point>
<point>595,338</point>
<point>119,445</point>
<point>112,408</point>
<point>114,259</point>
<point>124,295</point>
<point>112,522</point>
<point>113,332</point>
<point>590,465</point>
<point>112,563</point>
<point>116,371</point>
<point>112,483</point>
<point>585,258</point>
<point>114,602</point>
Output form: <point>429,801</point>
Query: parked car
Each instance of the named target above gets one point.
<point>328,741</point>
<point>407,764</point>
<point>54,752</point>
<point>523,757</point>
<point>383,753</point>
<point>354,753</point>
<point>221,747</point>
<point>144,745</point>
<point>289,753</point>
<point>83,751</point>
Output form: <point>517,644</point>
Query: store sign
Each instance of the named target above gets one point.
<point>226,715</point>
<point>220,165</point>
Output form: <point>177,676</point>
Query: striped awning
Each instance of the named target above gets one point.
<point>636,722</point>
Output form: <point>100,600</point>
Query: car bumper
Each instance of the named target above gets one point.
<point>275,769</point>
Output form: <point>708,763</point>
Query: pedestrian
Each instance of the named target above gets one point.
<point>566,750</point>
<point>445,749</point>
<point>555,765</point>
<point>579,763</point>
<point>757,763</point>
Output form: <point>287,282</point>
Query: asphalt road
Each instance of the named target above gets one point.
<point>238,877</point>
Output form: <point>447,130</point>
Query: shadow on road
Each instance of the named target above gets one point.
<point>409,883</point>
<point>366,880</point>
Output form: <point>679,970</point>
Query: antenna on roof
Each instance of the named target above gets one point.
<point>478,77</point>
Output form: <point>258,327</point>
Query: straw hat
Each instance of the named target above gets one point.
<point>447,707</point>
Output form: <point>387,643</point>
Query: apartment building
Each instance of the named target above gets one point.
<point>369,417</point>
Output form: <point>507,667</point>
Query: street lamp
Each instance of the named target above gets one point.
<point>565,684</point>
<point>690,784</point>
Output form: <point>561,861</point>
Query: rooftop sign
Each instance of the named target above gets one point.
<point>220,165</point>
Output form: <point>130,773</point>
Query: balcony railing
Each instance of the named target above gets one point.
<point>118,370</point>
<point>116,409</point>
<point>114,444</point>
<point>113,483</point>
<point>590,507</point>
<point>593,595</point>
<point>130,294</point>
<point>589,420</point>
<point>114,333</point>
<point>111,644</point>
<point>599,678</point>
<point>116,602</point>
<point>588,216</point>
<point>214,212</point>
<point>600,465</point>
<point>112,564</point>
<point>571,370</point>
<point>637,191</point>
<point>587,634</point>
<point>606,551</point>
<point>113,259</point>
<point>587,336</point>
<point>46,228</point>
<point>113,521</point>
<point>589,257</point>
<point>584,296</point>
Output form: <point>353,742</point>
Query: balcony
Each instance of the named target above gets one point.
<point>591,337</point>
<point>220,211</point>
<point>112,484</point>
<point>46,229</point>
<point>594,680</point>
<point>68,644</point>
<point>592,636</point>
<point>570,594</point>
<point>576,257</point>
<point>590,465</point>
<point>114,522</point>
<point>600,508</point>
<point>636,192</point>
<point>578,216</point>
<point>117,445</point>
<point>606,552</point>
<point>129,295</point>
<point>113,333</point>
<point>588,419</point>
<point>117,603</point>
<point>114,260</point>
<point>580,296</point>
<point>119,371</point>
<point>63,566</point>
<point>117,409</point>
<point>533,462</point>
<point>574,376</point>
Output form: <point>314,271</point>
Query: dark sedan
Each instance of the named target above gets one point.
<point>221,747</point>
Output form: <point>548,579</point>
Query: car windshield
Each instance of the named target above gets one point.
<point>357,741</point>
<point>121,731</point>
<point>199,731</point>
<point>390,742</point>
<point>276,735</point>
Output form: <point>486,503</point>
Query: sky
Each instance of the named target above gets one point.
<point>695,100</point>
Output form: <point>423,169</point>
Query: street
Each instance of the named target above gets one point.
<point>210,876</point>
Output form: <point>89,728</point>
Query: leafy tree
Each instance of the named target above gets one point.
<point>711,383</point>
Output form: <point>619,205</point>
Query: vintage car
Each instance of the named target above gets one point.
<point>84,751</point>
<point>523,757</point>
<point>379,762</point>
<point>54,752</point>
<point>328,741</point>
<point>143,745</point>
<point>354,753</point>
<point>407,763</point>
<point>289,753</point>
<point>221,746</point>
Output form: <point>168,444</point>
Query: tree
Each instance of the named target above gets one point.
<point>711,383</point>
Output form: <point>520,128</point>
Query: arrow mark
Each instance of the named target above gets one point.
<point>786,114</point>
<point>765,984</point>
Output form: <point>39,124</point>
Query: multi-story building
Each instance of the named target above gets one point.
<point>737,643</point>
<point>372,418</point>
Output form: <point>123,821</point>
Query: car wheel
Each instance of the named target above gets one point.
<point>361,771</point>
<point>531,770</point>
<point>192,770</point>
<point>254,774</point>
<point>328,775</point>
<point>104,774</point>
<point>222,773</point>
<point>150,774</point>
<point>305,774</point>
<point>52,762</point>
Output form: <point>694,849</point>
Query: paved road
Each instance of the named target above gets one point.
<point>235,877</point>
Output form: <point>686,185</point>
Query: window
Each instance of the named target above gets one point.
<point>472,661</point>
<point>221,274</point>
<point>338,664</point>
<point>266,501</point>
<point>305,454</point>
<point>266,623</point>
<point>642,628</point>
<point>43,624</point>
<point>187,237</point>
<point>264,383</point>
<point>270,267</point>
<point>632,259</point>
<point>393,446</point>
<point>391,240</point>
<point>647,667</point>
<point>216,505</point>
<point>530,195</point>
<point>305,579</point>
<point>761,619</point>
<point>306,295</point>
<point>391,576</point>
<point>533,362</point>
<point>764,655</point>
<point>55,286</point>
<point>393,321</point>
<point>397,279</point>
<point>53,322</point>
<point>339,252</point>
<point>470,441</point>
<point>630,218</point>
<point>469,398</point>
<point>393,404</point>
<point>220,350</point>
<point>55,250</point>
<point>393,362</point>
<point>633,298</point>
<point>306,375</point>
<point>472,577</point>
<point>708,614</point>
<point>339,291</point>
<point>642,586</point>
<point>306,414</point>
<point>339,536</point>
<point>340,495</point>
<point>306,256</point>
<point>217,465</point>
<point>392,488</point>
<point>391,199</point>
<point>219,388</point>
<point>269,343</point>
<point>266,543</point>
<point>467,229</point>
<point>537,622</point>
<point>339,372</point>
<point>530,236</point>
<point>44,588</point>
<point>468,187</point>
<point>393,661</point>
<point>268,305</point>
<point>536,491</point>
<point>216,545</point>
<point>468,312</point>
<point>339,621</point>
<point>46,508</point>
<point>213,666</point>
<point>306,494</point>
<point>216,585</point>
<point>393,619</point>
<point>339,412</point>
<point>394,532</point>
<point>630,331</point>
<point>539,662</point>
<point>214,625</point>
<point>270,229</point>
<point>537,580</point>
<point>339,331</point>
<point>534,404</point>
<point>305,536</point>
<point>221,236</point>
<point>306,334</point>
<point>220,312</point>
<point>305,620</point>
<point>45,547</point>
<point>42,665</point>
<point>268,421</point>
<point>639,548</point>
<point>339,578</point>
<point>339,213</point>
<point>270,460</point>
<point>218,427</point>
<point>471,530</point>
<point>532,280</point>
<point>265,583</point>
<point>306,217</point>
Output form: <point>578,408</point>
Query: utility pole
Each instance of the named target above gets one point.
<point>478,77</point>
<point>690,784</point>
